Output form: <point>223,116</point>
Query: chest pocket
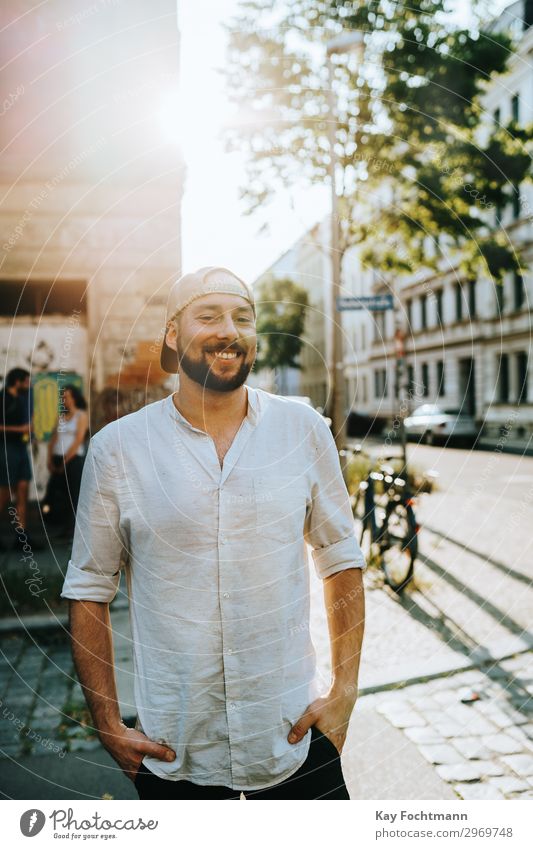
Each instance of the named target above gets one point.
<point>280,506</point>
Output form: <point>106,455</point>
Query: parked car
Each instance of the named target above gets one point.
<point>362,424</point>
<point>431,423</point>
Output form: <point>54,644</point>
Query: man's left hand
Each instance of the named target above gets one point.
<point>330,714</point>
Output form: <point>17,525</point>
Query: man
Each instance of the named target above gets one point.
<point>15,426</point>
<point>205,499</point>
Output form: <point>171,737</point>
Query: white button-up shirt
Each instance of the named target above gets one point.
<point>217,576</point>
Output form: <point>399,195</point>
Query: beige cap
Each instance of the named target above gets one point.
<point>206,281</point>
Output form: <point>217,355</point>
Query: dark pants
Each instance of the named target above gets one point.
<point>14,463</point>
<point>319,777</point>
<point>63,491</point>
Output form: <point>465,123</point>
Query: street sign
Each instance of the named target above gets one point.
<point>373,303</point>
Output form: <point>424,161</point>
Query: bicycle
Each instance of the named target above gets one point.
<point>389,529</point>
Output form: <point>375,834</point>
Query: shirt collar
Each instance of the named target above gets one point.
<point>253,415</point>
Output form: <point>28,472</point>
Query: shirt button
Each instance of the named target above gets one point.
<point>229,651</point>
<point>226,595</point>
<point>233,705</point>
<point>223,540</point>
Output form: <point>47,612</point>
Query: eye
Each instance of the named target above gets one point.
<point>244,319</point>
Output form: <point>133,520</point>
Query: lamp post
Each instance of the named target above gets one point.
<point>344,43</point>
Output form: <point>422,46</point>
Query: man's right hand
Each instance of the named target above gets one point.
<point>128,747</point>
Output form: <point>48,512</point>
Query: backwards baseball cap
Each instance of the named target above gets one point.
<point>209,280</point>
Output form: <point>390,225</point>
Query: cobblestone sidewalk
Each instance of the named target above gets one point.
<point>483,747</point>
<point>42,708</point>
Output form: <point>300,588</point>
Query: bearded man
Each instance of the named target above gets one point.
<point>209,500</point>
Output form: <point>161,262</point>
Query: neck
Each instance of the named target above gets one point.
<point>209,410</point>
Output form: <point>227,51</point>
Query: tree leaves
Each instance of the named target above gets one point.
<point>281,312</point>
<point>412,145</point>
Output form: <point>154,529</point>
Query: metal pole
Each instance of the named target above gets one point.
<point>336,377</point>
<point>401,400</point>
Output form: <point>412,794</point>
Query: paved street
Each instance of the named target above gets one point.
<point>447,672</point>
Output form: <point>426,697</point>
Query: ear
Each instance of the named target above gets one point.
<point>171,336</point>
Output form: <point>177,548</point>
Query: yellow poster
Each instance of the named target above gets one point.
<point>46,401</point>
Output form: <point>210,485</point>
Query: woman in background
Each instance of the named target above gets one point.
<point>66,454</point>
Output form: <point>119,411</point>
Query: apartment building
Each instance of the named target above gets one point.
<point>308,264</point>
<point>468,341</point>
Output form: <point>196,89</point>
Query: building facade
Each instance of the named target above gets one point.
<point>91,181</point>
<point>307,263</point>
<point>467,341</point>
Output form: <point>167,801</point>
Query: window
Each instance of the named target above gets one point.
<point>503,379</point>
<point>380,383</point>
<point>410,379</point>
<point>518,290</point>
<point>363,337</point>
<point>441,385</point>
<point>365,389</point>
<point>423,311</point>
<point>379,326</point>
<point>346,400</point>
<point>458,302</point>
<point>439,306</point>
<point>409,310</point>
<point>522,375</point>
<point>38,297</point>
<point>515,107</point>
<point>378,386</point>
<point>425,380</point>
<point>472,298</point>
<point>500,298</point>
<point>497,117</point>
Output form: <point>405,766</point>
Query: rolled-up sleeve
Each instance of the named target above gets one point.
<point>330,529</point>
<point>98,550</point>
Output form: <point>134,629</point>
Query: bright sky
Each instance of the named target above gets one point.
<point>214,227</point>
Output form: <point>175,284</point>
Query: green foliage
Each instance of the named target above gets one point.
<point>281,311</point>
<point>360,466</point>
<point>408,125</point>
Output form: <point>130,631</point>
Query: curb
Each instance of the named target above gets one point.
<point>479,658</point>
<point>32,623</point>
<point>39,622</point>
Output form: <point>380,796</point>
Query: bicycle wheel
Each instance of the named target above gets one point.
<point>399,545</point>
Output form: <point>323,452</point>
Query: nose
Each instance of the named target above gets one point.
<point>226,328</point>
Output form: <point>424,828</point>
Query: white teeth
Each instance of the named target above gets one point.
<point>227,355</point>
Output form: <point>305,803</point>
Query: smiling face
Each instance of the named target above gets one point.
<point>215,341</point>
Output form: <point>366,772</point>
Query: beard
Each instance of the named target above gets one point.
<point>202,373</point>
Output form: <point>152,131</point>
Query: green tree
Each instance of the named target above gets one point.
<point>281,312</point>
<point>409,126</point>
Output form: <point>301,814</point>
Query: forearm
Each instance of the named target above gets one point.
<point>345,606</point>
<point>92,649</point>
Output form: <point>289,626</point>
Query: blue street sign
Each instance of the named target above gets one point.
<point>373,303</point>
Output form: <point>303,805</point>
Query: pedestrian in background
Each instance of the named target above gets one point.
<point>15,430</point>
<point>66,454</point>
